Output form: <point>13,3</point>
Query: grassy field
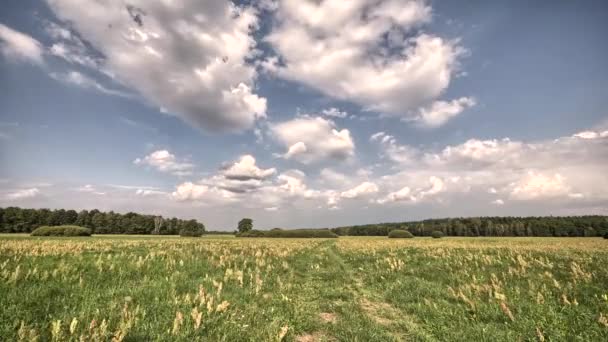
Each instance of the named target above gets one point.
<point>348,289</point>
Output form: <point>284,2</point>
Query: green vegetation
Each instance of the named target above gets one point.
<point>400,234</point>
<point>437,234</point>
<point>61,231</point>
<point>17,220</point>
<point>245,225</point>
<point>191,229</point>
<point>572,226</point>
<point>291,233</point>
<point>127,288</point>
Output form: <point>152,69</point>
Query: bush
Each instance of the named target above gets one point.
<point>606,236</point>
<point>400,234</point>
<point>61,231</point>
<point>436,234</point>
<point>251,233</point>
<point>292,233</point>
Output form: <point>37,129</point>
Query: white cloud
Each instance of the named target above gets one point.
<point>434,186</point>
<point>403,194</point>
<point>535,185</point>
<point>246,169</point>
<point>78,79</point>
<point>363,189</point>
<point>401,154</point>
<point>313,139</point>
<point>558,170</point>
<point>23,194</point>
<point>190,58</point>
<point>334,112</point>
<point>295,149</point>
<point>20,46</point>
<point>69,47</point>
<point>498,202</point>
<point>148,192</point>
<point>591,135</point>
<point>164,161</point>
<point>203,194</point>
<point>441,111</point>
<point>90,189</point>
<point>362,51</point>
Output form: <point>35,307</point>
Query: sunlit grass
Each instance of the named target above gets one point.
<point>225,288</point>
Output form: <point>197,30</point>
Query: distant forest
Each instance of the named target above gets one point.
<point>490,226</point>
<point>18,220</point>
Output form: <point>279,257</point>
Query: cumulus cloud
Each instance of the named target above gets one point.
<point>363,189</point>
<point>498,202</point>
<point>363,51</point>
<point>246,169</point>
<point>435,186</point>
<point>313,139</point>
<point>201,193</point>
<point>165,161</point>
<point>19,46</point>
<point>392,150</point>
<point>441,111</point>
<point>535,185</point>
<point>563,169</point>
<point>190,58</point>
<point>23,194</point>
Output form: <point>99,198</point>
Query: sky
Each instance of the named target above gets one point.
<point>302,113</point>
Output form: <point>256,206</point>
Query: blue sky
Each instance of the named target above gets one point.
<point>305,113</point>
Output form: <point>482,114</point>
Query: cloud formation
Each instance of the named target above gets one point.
<point>23,194</point>
<point>364,52</point>
<point>190,58</point>
<point>439,112</point>
<point>18,46</point>
<point>313,139</point>
<point>165,161</point>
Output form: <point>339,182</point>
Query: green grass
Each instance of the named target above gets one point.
<point>348,289</point>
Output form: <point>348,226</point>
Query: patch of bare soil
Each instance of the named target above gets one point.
<point>314,337</point>
<point>328,317</point>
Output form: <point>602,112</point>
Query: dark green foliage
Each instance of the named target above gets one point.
<point>567,226</point>
<point>218,232</point>
<point>400,234</point>
<point>437,234</point>
<point>17,220</point>
<point>192,229</point>
<point>245,225</point>
<point>252,233</point>
<point>606,236</point>
<point>61,231</point>
<point>291,233</point>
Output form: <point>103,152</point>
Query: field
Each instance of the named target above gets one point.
<point>347,289</point>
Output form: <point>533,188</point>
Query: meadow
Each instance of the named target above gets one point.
<point>133,288</point>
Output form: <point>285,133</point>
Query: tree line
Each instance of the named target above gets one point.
<point>574,226</point>
<point>19,220</point>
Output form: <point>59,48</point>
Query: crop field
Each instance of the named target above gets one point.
<point>347,289</point>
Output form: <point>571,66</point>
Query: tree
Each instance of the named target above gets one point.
<point>191,228</point>
<point>245,225</point>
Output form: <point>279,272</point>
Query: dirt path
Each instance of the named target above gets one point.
<point>399,325</point>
